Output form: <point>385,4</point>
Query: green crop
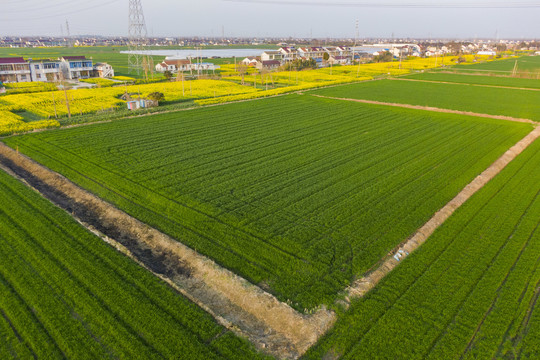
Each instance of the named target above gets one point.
<point>493,101</point>
<point>478,80</point>
<point>64,293</point>
<point>470,292</point>
<point>524,64</point>
<point>297,194</point>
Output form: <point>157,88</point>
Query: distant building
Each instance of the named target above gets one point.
<point>271,55</point>
<point>289,53</point>
<point>103,70</point>
<point>173,65</point>
<point>14,70</point>
<point>66,67</point>
<point>268,64</point>
<point>204,66</point>
<point>251,61</point>
<point>76,67</point>
<point>45,70</point>
<point>486,52</point>
<point>341,60</point>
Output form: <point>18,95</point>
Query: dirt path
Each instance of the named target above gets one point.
<point>271,325</point>
<point>361,286</point>
<point>484,74</point>
<point>430,108</point>
<point>465,84</point>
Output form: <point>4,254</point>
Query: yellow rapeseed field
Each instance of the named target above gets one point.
<point>12,123</point>
<point>84,101</point>
<point>47,104</point>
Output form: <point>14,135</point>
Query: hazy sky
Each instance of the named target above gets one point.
<point>258,18</point>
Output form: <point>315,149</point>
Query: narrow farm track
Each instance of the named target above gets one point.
<point>363,285</point>
<point>464,84</point>
<point>430,108</point>
<point>272,326</point>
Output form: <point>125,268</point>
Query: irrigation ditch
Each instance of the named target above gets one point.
<point>272,326</point>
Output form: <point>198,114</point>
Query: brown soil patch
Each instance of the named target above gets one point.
<point>269,324</point>
<point>361,286</point>
<point>430,108</point>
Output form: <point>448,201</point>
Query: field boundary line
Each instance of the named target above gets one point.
<point>464,84</point>
<point>431,108</point>
<point>272,326</point>
<point>456,72</point>
<point>362,286</point>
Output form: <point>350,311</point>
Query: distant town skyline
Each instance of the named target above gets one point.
<point>299,18</point>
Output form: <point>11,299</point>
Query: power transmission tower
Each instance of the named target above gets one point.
<point>356,35</point>
<point>137,34</point>
<point>68,34</point>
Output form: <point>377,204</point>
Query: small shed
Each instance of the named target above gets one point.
<point>141,104</point>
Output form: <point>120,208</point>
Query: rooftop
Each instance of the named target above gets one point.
<point>12,60</point>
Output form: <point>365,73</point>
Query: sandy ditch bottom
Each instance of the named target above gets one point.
<point>272,326</point>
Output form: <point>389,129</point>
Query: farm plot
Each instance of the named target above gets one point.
<point>296,194</point>
<point>478,80</point>
<point>493,101</point>
<point>470,292</point>
<point>524,64</point>
<point>66,294</point>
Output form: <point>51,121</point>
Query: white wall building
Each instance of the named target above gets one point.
<point>14,70</point>
<point>103,70</point>
<point>271,55</point>
<point>174,65</point>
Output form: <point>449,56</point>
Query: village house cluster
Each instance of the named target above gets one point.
<point>17,69</point>
<point>322,55</point>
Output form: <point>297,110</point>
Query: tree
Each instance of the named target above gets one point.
<point>384,57</point>
<point>157,96</point>
<point>241,68</point>
<point>300,64</point>
<point>501,47</point>
<point>455,47</point>
<point>326,56</point>
<point>168,75</point>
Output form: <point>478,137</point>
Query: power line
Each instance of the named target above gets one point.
<point>492,5</point>
<point>49,16</point>
<point>26,10</point>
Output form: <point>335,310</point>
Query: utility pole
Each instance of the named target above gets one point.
<point>54,103</point>
<point>67,99</point>
<point>137,34</point>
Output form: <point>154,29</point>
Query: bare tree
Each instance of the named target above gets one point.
<point>242,70</point>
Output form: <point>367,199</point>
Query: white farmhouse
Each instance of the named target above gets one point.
<point>103,70</point>
<point>174,65</point>
<point>272,55</point>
